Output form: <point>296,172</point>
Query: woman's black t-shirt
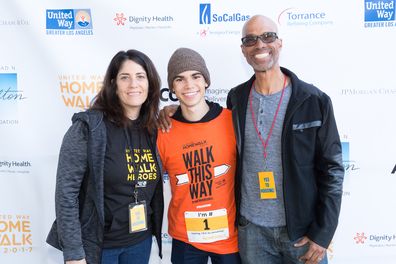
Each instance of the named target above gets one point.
<point>129,164</point>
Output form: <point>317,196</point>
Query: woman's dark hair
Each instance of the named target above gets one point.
<point>108,102</point>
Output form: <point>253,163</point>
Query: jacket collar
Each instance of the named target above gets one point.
<point>297,97</point>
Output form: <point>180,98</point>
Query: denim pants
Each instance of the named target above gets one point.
<point>136,254</point>
<point>268,245</point>
<point>184,253</point>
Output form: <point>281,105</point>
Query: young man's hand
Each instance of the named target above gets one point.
<point>164,118</point>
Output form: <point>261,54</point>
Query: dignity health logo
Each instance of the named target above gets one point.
<point>206,17</point>
<point>69,22</point>
<point>375,240</point>
<point>379,13</point>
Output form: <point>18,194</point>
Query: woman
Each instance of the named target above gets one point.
<point>108,194</point>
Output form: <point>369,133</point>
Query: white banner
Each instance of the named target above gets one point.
<point>53,56</point>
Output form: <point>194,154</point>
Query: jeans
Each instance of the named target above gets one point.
<point>136,254</point>
<point>268,245</point>
<point>184,253</point>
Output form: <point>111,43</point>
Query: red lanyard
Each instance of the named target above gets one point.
<point>265,143</point>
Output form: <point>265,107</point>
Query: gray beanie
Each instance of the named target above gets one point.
<point>184,59</point>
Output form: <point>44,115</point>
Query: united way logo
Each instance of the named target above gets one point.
<point>379,10</point>
<point>204,14</point>
<point>83,19</point>
<point>69,22</point>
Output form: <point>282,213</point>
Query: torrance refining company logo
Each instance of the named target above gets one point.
<point>69,22</point>
<point>379,13</point>
<point>10,96</point>
<point>295,17</point>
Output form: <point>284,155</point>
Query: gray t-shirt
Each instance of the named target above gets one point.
<point>271,212</point>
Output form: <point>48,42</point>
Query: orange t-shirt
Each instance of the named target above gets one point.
<point>200,159</point>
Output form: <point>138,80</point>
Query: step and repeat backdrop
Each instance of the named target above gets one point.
<point>53,56</point>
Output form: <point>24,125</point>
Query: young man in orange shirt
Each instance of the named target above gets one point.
<point>199,154</point>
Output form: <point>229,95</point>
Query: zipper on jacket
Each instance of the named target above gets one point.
<point>287,122</point>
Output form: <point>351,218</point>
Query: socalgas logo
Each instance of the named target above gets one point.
<point>379,13</point>
<point>69,22</point>
<point>296,17</point>
<point>78,90</point>
<point>10,97</point>
<point>207,17</point>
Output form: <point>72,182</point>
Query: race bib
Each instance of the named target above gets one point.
<point>207,226</point>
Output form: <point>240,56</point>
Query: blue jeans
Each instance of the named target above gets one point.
<point>269,245</point>
<point>184,253</point>
<point>136,254</point>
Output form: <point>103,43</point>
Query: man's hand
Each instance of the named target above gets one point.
<point>315,252</point>
<point>81,261</point>
<point>164,118</point>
